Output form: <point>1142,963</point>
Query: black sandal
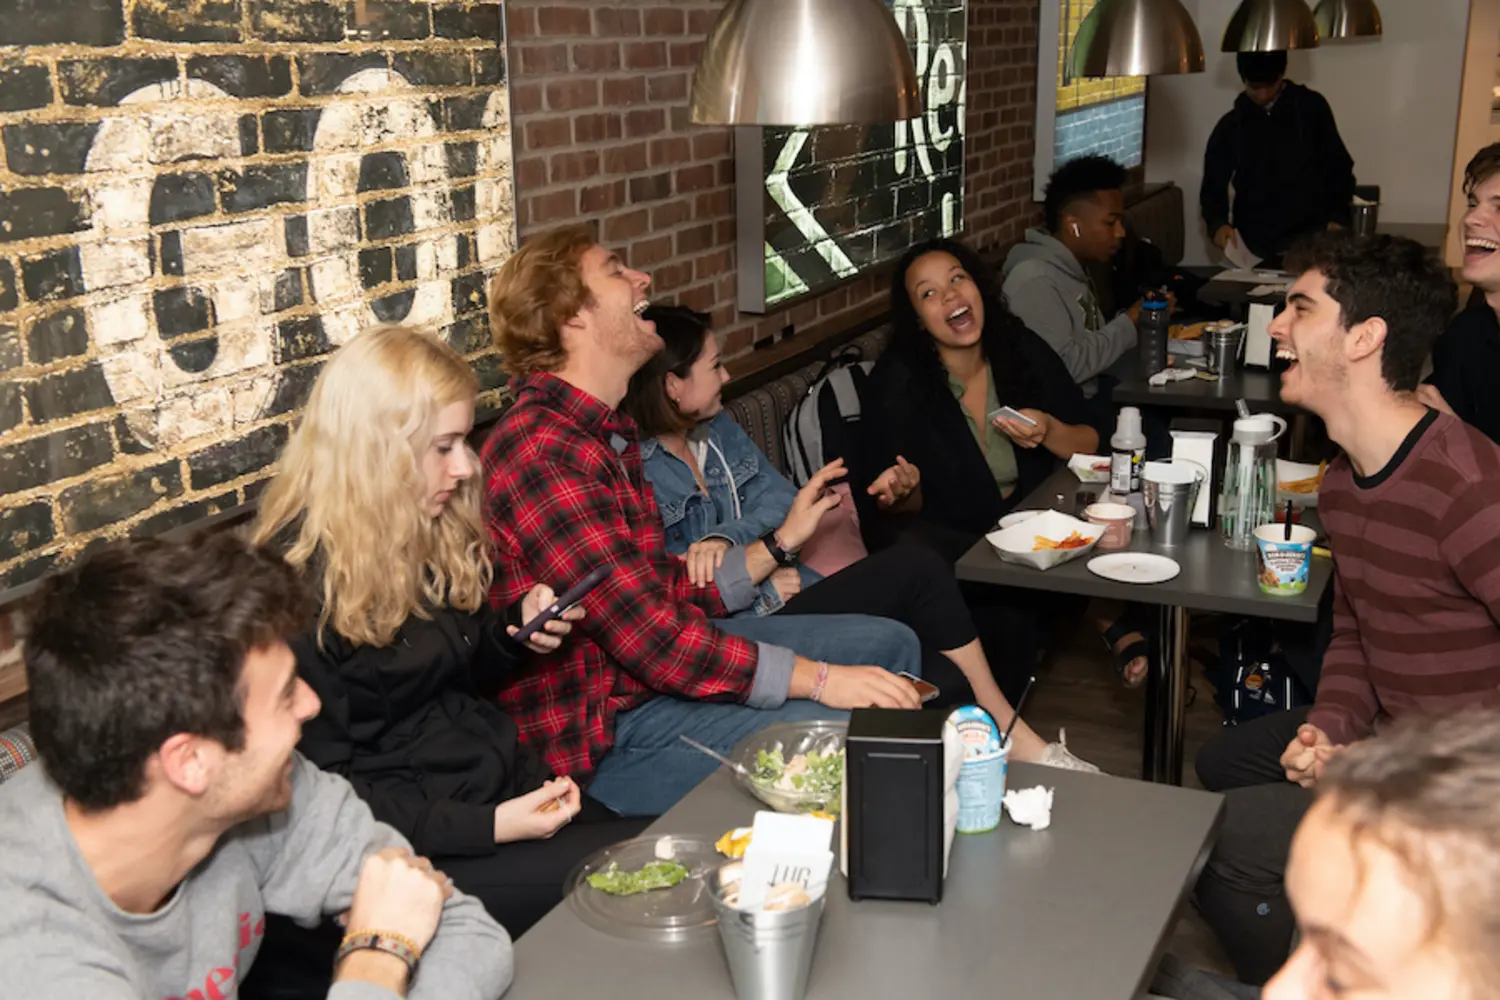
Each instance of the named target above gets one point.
<point>1124,626</point>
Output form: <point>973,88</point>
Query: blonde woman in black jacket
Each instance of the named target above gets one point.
<point>376,500</point>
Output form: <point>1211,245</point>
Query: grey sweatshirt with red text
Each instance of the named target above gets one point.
<point>61,936</point>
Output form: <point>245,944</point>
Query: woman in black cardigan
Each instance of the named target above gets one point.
<point>376,501</point>
<point>956,354</point>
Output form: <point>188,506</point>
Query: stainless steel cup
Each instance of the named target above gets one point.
<point>1366,218</point>
<point>1223,349</point>
<point>1169,505</point>
<point>769,954</point>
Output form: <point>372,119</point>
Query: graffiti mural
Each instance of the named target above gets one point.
<point>183,242</point>
<point>835,201</point>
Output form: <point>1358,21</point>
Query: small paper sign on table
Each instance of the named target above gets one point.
<point>788,861</point>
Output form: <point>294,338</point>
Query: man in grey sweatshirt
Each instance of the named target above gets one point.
<point>1045,281</point>
<point>169,812</point>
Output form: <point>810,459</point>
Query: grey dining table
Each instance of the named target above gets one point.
<point>1214,578</point>
<point>1259,388</point>
<point>1080,910</point>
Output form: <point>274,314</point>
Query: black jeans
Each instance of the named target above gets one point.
<point>914,585</point>
<point>1241,892</point>
<point>518,884</point>
<point>1015,626</point>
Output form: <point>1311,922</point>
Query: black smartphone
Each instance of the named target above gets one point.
<point>570,597</point>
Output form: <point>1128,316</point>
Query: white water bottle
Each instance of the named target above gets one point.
<point>1127,452</point>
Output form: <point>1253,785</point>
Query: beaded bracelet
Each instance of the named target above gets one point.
<point>821,682</point>
<point>399,945</point>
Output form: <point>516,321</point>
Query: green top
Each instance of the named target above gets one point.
<point>999,453</point>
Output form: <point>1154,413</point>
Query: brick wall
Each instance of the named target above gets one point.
<point>1116,130</point>
<point>602,136</point>
<point>199,199</point>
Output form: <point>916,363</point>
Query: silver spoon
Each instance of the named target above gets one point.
<point>739,769</point>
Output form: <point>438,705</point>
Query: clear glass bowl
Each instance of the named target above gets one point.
<point>791,738</point>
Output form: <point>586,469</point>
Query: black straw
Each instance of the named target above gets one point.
<point>1288,521</point>
<point>1005,740</point>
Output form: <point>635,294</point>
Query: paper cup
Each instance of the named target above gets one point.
<point>1118,521</point>
<point>981,790</point>
<point>1283,565</point>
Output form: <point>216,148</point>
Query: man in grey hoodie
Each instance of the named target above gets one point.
<point>1046,283</point>
<point>170,812</point>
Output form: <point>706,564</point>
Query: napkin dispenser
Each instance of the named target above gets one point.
<point>900,803</point>
<point>1258,335</point>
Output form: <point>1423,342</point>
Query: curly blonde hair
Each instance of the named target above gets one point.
<point>349,487</point>
<point>538,289</point>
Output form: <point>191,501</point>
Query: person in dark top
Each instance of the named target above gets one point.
<point>1466,358</point>
<point>1280,149</point>
<point>376,502</point>
<point>956,355</point>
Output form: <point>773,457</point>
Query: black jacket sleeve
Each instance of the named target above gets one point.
<point>1057,394</point>
<point>1334,158</point>
<point>1219,164</point>
<point>434,828</point>
<point>1452,368</point>
<point>885,430</point>
<point>499,654</point>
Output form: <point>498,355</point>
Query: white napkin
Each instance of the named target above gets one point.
<point>1030,806</point>
<point>1238,253</point>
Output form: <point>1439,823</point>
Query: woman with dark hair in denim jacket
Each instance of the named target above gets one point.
<point>717,490</point>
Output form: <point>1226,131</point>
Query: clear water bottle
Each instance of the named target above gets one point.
<point>1151,333</point>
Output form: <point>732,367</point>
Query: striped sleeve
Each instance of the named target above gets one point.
<point>1470,540</point>
<point>1346,704</point>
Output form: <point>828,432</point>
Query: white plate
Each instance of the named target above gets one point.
<point>1016,517</point>
<point>1134,567</point>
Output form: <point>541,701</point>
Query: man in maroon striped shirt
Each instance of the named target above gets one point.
<point>1412,511</point>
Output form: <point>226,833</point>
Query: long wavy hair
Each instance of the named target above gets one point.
<point>1001,326</point>
<point>346,503</point>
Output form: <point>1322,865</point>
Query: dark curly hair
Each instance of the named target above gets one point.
<point>915,344</point>
<point>1391,277</point>
<point>1080,178</point>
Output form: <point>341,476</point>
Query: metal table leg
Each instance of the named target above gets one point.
<point>1166,700</point>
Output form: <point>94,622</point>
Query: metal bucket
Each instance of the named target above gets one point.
<point>769,954</point>
<point>1170,501</point>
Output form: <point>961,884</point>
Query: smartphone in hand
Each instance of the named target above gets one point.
<point>570,597</point>
<point>1010,413</point>
<point>926,690</point>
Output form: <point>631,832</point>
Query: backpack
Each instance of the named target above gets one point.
<point>823,425</point>
<point>1265,668</point>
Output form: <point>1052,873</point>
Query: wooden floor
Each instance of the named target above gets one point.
<point>1079,691</point>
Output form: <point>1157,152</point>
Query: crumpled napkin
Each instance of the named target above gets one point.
<point>1030,806</point>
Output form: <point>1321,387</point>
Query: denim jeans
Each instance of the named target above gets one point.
<point>649,769</point>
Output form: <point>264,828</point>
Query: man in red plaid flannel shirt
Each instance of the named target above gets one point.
<point>566,493</point>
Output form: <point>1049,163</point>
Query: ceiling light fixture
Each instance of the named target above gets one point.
<point>804,62</point>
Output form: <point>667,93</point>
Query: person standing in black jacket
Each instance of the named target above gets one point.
<point>376,501</point>
<point>1280,149</point>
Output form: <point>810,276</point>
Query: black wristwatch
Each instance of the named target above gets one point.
<point>781,555</point>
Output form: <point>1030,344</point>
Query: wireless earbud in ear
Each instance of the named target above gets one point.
<point>1075,230</point>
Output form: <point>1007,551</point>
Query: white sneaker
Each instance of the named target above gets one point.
<point>1058,755</point>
